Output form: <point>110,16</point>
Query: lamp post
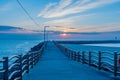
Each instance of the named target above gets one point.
<point>45,32</point>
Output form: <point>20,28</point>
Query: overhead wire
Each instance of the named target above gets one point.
<point>27,13</point>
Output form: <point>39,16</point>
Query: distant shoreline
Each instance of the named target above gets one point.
<point>90,42</point>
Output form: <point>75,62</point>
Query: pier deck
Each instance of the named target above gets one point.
<point>54,65</point>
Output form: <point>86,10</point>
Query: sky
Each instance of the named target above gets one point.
<point>63,15</point>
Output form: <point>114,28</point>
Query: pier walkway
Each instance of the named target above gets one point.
<point>54,65</point>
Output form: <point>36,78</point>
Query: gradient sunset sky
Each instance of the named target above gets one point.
<point>63,15</point>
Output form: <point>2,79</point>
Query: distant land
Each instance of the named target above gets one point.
<point>12,29</point>
<point>16,33</point>
<point>5,28</point>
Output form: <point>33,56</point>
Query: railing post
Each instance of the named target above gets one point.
<point>68,53</point>
<point>65,50</point>
<point>90,58</point>
<point>35,55</point>
<point>32,59</point>
<point>5,67</point>
<point>38,56</point>
<point>20,59</point>
<point>115,63</point>
<point>28,63</point>
<point>99,60</point>
<point>83,57</point>
<point>78,57</point>
<point>71,54</point>
<point>75,55</point>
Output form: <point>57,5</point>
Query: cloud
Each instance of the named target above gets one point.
<point>67,7</point>
<point>69,21</point>
<point>69,25</point>
<point>60,22</point>
<point>101,28</point>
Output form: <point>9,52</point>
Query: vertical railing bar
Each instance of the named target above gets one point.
<point>28,63</point>
<point>115,63</point>
<point>20,61</point>
<point>32,55</point>
<point>83,57</point>
<point>74,55</point>
<point>90,58</point>
<point>71,54</point>
<point>78,57</point>
<point>5,67</point>
<point>99,60</point>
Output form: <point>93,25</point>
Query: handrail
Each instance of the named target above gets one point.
<point>119,53</point>
<point>14,72</point>
<point>94,56</point>
<point>18,78</point>
<point>14,56</point>
<point>95,64</point>
<point>93,51</point>
<point>106,57</point>
<point>14,64</point>
<point>21,65</point>
<point>24,60</point>
<point>107,63</point>
<point>105,52</point>
<point>2,61</point>
<point>2,71</point>
<point>24,72</point>
<point>24,67</point>
<point>94,60</point>
<point>104,67</point>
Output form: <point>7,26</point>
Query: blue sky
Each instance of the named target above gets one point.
<point>63,15</point>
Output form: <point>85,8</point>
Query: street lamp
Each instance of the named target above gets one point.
<point>45,31</point>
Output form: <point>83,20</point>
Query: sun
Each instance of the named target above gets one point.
<point>64,34</point>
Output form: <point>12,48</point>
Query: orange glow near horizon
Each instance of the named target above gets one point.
<point>63,35</point>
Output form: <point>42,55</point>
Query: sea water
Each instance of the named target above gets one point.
<point>14,44</point>
<point>15,47</point>
<point>94,47</point>
<point>106,45</point>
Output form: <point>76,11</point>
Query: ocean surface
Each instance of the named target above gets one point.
<point>12,44</point>
<point>94,47</point>
<point>105,45</point>
<point>13,47</point>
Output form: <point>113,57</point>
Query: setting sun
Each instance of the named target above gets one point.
<point>64,34</point>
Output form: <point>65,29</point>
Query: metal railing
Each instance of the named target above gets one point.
<point>103,60</point>
<point>13,68</point>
